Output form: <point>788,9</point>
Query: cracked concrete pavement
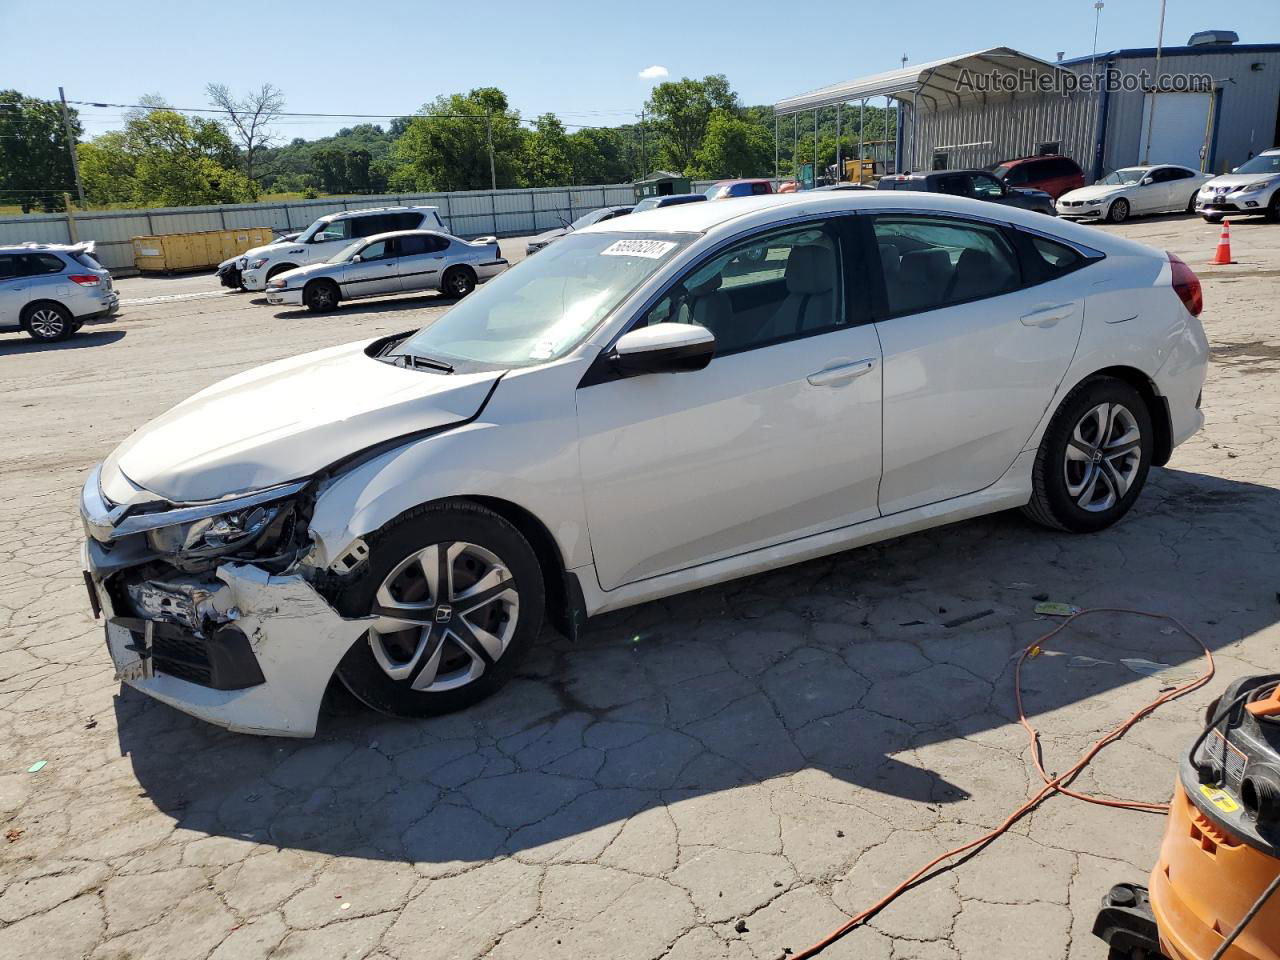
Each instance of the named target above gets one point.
<point>727,774</point>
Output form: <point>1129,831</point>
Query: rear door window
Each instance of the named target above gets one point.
<point>8,268</point>
<point>929,262</point>
<point>39,264</point>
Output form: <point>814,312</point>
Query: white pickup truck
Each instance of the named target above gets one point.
<point>252,269</point>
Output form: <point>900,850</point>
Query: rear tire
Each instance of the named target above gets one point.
<point>1094,458</point>
<point>320,296</point>
<point>48,322</point>
<point>436,655</point>
<point>280,268</point>
<point>1119,211</point>
<point>1191,204</point>
<point>458,281</point>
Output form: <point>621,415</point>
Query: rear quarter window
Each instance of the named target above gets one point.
<point>1045,259</point>
<point>86,260</point>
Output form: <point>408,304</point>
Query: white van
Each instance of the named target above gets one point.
<point>322,240</point>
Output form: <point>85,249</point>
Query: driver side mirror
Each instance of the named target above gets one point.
<point>356,258</point>
<point>1146,181</point>
<point>663,348</point>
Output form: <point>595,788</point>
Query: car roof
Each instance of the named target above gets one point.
<point>743,213</point>
<point>344,214</point>
<point>1039,156</point>
<point>721,183</point>
<point>45,247</point>
<point>408,233</point>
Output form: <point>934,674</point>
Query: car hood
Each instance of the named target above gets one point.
<point>252,252</point>
<point>1240,179</point>
<point>1096,192</point>
<point>310,270</point>
<point>288,419</point>
<point>549,235</point>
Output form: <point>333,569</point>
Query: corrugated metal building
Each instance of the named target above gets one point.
<point>1214,131</point>
<point>979,108</point>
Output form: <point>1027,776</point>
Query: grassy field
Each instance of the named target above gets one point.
<point>16,211</point>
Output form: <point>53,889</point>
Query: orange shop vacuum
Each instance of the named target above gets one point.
<point>1213,891</point>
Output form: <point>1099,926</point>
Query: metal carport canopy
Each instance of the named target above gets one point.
<point>933,82</point>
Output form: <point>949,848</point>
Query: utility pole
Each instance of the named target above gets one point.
<point>71,146</point>
<point>488,132</point>
<point>1155,86</point>
<point>644,167</point>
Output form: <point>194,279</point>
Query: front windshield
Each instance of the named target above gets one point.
<point>1263,163</point>
<point>545,306</point>
<point>1124,177</point>
<point>347,252</point>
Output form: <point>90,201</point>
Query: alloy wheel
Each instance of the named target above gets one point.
<point>322,297</point>
<point>1104,455</point>
<point>46,323</point>
<point>458,284</point>
<point>444,615</point>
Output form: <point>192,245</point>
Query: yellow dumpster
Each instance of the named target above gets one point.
<point>172,252</point>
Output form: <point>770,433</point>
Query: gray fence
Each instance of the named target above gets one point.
<point>503,213</point>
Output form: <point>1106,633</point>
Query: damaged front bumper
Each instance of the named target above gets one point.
<point>237,645</point>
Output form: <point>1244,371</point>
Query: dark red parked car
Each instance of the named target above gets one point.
<point>1053,174</point>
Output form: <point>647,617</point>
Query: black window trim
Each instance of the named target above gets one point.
<point>880,294</point>
<point>853,262</point>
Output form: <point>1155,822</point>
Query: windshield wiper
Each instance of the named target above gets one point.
<point>415,361</point>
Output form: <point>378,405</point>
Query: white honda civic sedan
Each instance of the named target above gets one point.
<point>648,406</point>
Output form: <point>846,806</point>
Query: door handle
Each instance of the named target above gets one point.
<point>1047,316</point>
<point>843,373</point>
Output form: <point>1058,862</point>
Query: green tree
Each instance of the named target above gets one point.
<point>547,153</point>
<point>35,166</point>
<point>163,158</point>
<point>445,146</point>
<point>330,166</point>
<point>681,110</point>
<point>733,147</point>
<point>599,155</point>
<point>108,169</point>
<point>358,173</point>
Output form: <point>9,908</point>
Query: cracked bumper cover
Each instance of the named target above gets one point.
<point>296,637</point>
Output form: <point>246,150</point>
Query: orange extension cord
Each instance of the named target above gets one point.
<point>1052,785</point>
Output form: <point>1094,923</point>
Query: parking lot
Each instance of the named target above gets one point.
<point>726,774</point>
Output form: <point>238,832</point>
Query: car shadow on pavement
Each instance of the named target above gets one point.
<point>876,684</point>
<point>80,341</point>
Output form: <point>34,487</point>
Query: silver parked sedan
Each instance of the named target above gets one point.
<point>388,263</point>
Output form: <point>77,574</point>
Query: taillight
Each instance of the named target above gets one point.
<point>85,279</point>
<point>1186,285</point>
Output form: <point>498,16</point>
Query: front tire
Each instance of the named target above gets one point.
<point>320,296</point>
<point>459,598</point>
<point>49,322</point>
<point>1094,458</point>
<point>458,281</point>
<point>1119,211</point>
<point>1273,208</point>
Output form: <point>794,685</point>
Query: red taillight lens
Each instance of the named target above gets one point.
<point>1186,285</point>
<point>84,279</point>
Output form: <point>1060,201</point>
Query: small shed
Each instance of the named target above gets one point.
<point>661,183</point>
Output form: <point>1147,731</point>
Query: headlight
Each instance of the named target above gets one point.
<point>277,283</point>
<point>213,536</point>
<point>1254,187</point>
<point>258,264</point>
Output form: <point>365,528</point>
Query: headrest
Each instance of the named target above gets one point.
<point>924,263</point>
<point>706,286</point>
<point>811,269</point>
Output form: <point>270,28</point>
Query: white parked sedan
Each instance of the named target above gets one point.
<point>1164,188</point>
<point>401,262</point>
<point>648,406</point>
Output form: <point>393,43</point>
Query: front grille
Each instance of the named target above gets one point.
<point>185,657</point>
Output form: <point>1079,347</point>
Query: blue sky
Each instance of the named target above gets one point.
<point>580,60</point>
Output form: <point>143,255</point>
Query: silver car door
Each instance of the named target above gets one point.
<point>374,273</point>
<point>12,297</point>
<point>421,261</point>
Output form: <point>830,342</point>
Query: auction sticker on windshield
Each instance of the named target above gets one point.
<point>652,249</point>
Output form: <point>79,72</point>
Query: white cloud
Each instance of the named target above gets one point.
<point>654,72</point>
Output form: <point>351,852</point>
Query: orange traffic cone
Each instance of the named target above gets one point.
<point>1223,254</point>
